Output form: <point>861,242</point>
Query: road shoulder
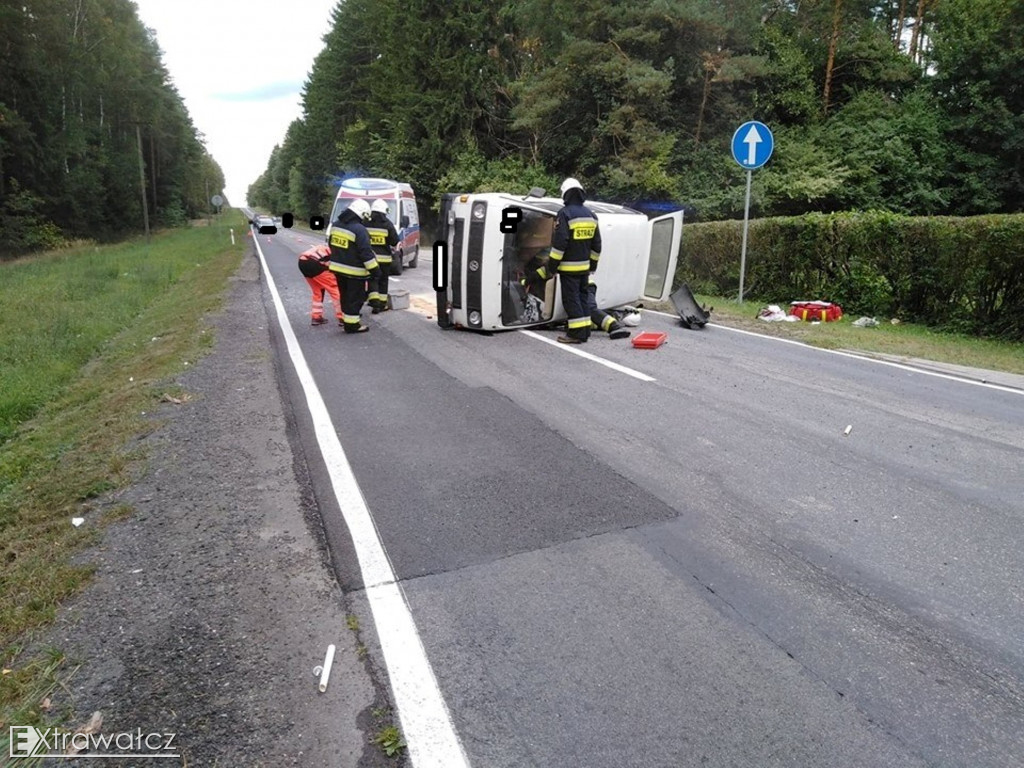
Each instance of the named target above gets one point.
<point>213,603</point>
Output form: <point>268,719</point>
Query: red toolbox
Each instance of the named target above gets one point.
<point>649,339</point>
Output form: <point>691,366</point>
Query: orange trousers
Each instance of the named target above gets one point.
<point>325,281</point>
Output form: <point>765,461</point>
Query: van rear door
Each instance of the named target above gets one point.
<point>665,236</point>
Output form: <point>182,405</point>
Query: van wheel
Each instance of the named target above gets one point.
<point>415,259</point>
<point>396,264</point>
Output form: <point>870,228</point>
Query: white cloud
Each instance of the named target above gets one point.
<point>239,66</point>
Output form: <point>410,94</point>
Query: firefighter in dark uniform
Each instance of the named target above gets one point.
<point>575,250</point>
<point>599,318</point>
<point>353,262</point>
<point>383,239</point>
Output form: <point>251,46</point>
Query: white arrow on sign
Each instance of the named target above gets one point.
<point>752,139</point>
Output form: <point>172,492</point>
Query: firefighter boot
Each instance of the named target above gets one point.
<point>618,331</point>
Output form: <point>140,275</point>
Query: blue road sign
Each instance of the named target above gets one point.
<point>752,145</point>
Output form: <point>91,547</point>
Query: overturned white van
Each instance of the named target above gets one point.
<point>486,261</point>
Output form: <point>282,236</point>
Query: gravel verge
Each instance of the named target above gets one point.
<point>214,602</point>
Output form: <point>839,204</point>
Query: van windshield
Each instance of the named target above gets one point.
<point>525,251</point>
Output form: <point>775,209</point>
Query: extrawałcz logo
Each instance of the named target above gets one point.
<point>29,741</point>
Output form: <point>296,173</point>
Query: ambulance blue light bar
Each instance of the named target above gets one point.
<point>366,185</point>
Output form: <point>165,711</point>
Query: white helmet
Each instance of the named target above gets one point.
<point>632,318</point>
<point>380,206</point>
<point>361,208</point>
<point>571,183</point>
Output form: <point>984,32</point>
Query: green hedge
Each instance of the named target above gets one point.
<point>962,274</point>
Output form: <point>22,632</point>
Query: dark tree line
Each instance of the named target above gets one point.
<point>911,106</point>
<point>80,81</point>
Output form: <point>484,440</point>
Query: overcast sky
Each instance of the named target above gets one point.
<point>239,65</point>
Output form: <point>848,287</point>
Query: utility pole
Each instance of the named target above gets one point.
<point>142,181</point>
<point>209,220</point>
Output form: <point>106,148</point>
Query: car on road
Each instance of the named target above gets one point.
<point>265,225</point>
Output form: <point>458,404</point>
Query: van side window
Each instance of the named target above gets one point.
<point>409,209</point>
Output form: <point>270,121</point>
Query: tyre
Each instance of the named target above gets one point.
<point>415,259</point>
<point>396,264</point>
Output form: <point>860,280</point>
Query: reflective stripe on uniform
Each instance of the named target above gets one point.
<point>371,264</point>
<point>377,236</point>
<point>342,238</point>
<point>578,322</point>
<point>607,323</point>
<point>381,259</point>
<point>375,296</point>
<point>583,228</point>
<point>350,319</point>
<point>348,271</point>
<point>574,266</point>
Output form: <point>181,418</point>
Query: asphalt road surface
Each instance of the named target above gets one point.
<point>699,565</point>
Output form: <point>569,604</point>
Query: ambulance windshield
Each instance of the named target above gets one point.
<point>339,205</point>
<point>342,203</point>
<point>526,250</point>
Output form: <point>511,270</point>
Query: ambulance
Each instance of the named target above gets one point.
<point>482,287</point>
<point>402,211</point>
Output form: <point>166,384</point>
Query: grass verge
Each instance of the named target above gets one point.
<point>89,339</point>
<point>903,339</point>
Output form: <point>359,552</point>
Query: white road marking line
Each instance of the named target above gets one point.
<point>588,356</point>
<point>426,723</point>
<point>901,366</point>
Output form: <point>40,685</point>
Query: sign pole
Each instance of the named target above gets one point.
<point>752,145</point>
<point>746,223</point>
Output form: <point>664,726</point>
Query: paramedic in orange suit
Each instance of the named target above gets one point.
<point>313,265</point>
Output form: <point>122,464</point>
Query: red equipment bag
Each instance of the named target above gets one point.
<point>822,311</point>
<point>313,261</point>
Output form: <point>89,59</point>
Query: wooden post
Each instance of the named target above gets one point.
<point>142,181</point>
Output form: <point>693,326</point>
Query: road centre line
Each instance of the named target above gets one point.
<point>901,366</point>
<point>426,723</point>
<point>589,356</point>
